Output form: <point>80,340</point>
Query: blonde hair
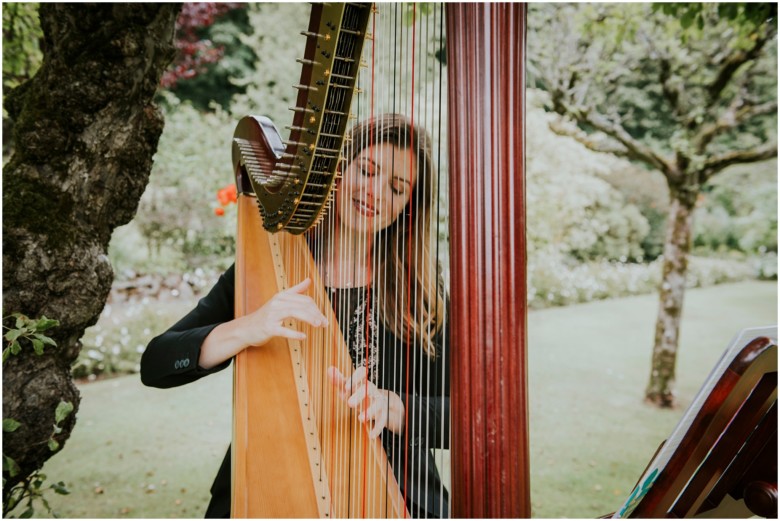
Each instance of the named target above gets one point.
<point>413,271</point>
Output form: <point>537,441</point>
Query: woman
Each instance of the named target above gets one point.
<point>374,256</point>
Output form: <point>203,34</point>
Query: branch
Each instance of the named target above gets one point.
<point>718,162</point>
<point>631,148</point>
<point>734,115</point>
<point>731,64</point>
<point>672,93</point>
<point>587,140</point>
<point>635,149</point>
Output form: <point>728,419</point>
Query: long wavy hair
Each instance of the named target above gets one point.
<point>411,298</point>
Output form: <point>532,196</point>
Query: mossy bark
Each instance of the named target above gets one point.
<point>85,131</point>
<point>660,389</point>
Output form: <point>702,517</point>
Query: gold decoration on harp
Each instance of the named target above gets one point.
<point>294,179</point>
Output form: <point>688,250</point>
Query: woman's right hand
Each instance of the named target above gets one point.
<point>269,320</point>
<point>257,328</point>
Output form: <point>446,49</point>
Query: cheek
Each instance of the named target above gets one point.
<point>397,208</point>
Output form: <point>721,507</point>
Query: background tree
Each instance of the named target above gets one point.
<point>686,90</point>
<point>85,130</point>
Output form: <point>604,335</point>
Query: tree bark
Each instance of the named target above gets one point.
<point>660,390</point>
<point>85,130</point>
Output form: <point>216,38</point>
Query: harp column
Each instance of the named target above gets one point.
<point>486,75</point>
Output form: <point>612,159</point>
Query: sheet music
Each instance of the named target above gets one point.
<point>662,458</point>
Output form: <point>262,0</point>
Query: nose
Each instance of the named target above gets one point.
<point>373,188</point>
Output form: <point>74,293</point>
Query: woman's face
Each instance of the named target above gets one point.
<point>376,187</point>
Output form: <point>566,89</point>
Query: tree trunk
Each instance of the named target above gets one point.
<point>660,390</point>
<point>85,130</point>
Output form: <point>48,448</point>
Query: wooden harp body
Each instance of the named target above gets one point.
<point>317,461</point>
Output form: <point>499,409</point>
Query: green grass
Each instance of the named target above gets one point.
<point>591,433</point>
<point>140,452</point>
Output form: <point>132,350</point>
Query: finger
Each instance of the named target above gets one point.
<point>301,307</point>
<point>379,424</point>
<point>286,332</point>
<point>357,397</point>
<point>335,376</point>
<point>358,377</point>
<point>311,315</point>
<point>377,409</point>
<point>301,287</point>
<point>337,379</point>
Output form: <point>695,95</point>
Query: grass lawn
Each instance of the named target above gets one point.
<point>140,452</point>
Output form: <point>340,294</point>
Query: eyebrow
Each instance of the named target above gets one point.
<point>373,163</point>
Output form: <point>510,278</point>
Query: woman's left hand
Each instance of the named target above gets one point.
<point>382,407</point>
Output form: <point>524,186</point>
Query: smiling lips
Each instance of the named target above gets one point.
<point>364,208</point>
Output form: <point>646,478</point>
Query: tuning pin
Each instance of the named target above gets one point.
<point>305,87</point>
<point>301,109</point>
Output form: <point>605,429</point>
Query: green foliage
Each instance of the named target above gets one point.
<point>571,208</point>
<point>30,331</point>
<point>22,33</point>
<point>647,190</point>
<point>27,331</point>
<point>748,15</point>
<point>176,213</point>
<point>32,490</point>
<point>229,76</point>
<point>270,92</point>
<point>738,211</point>
<point>663,84</point>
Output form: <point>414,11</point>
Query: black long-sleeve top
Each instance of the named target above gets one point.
<point>171,359</point>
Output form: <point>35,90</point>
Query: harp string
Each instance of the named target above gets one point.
<point>444,430</point>
<point>399,79</point>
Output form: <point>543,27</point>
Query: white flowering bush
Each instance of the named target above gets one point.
<point>570,209</point>
<point>555,281</point>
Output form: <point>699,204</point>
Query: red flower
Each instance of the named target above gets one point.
<point>219,211</point>
<point>227,195</point>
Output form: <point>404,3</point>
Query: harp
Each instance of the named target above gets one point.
<point>298,451</point>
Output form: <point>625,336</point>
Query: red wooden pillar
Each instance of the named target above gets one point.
<point>486,74</point>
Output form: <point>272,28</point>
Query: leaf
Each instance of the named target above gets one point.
<point>6,353</point>
<point>687,18</point>
<point>13,334</point>
<point>20,320</point>
<point>60,488</point>
<point>45,339</point>
<point>45,323</point>
<point>27,514</point>
<point>15,348</point>
<point>63,410</point>
<point>37,346</point>
<point>10,425</point>
<point>10,466</point>
<point>53,444</point>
